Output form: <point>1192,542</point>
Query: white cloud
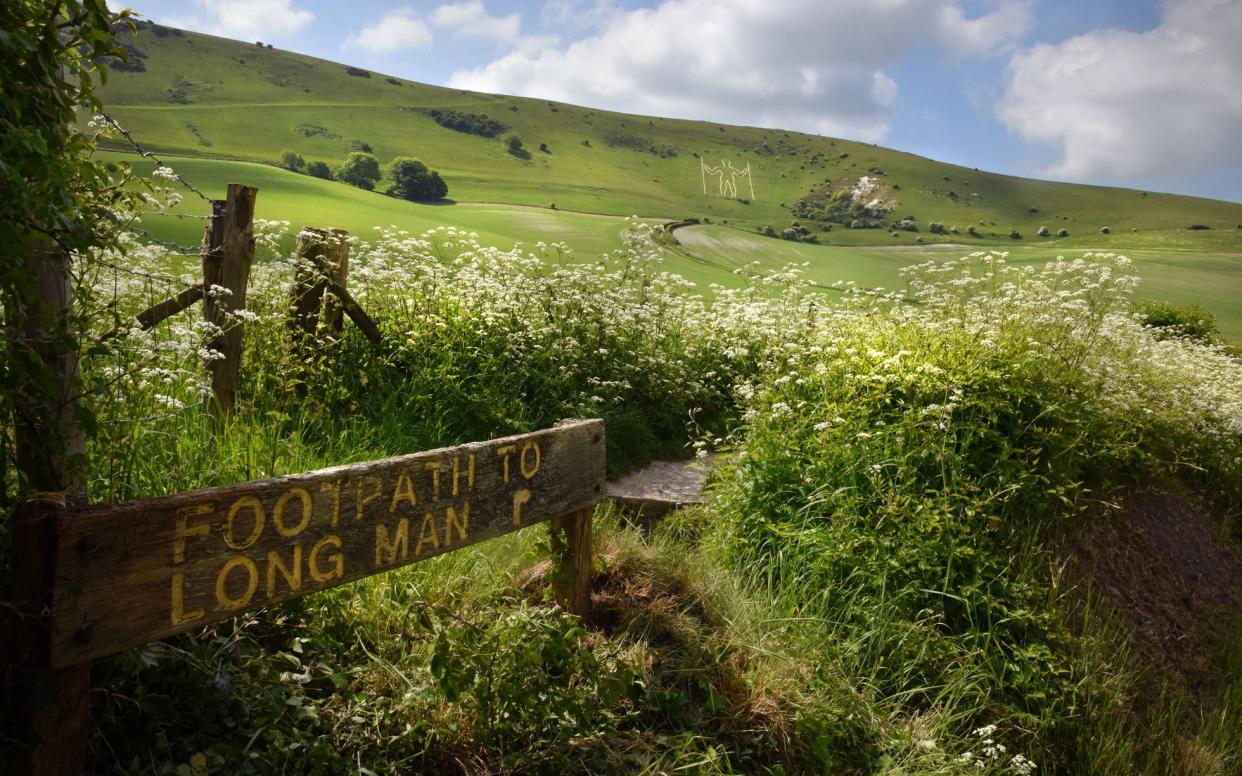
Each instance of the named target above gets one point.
<point>470,19</point>
<point>398,30</point>
<point>267,20</point>
<point>578,15</point>
<point>1122,105</point>
<point>817,65</point>
<point>984,34</point>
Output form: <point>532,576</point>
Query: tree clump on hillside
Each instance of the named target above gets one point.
<point>413,180</point>
<point>513,144</point>
<point>319,169</point>
<point>292,160</point>
<point>359,169</point>
<point>471,123</point>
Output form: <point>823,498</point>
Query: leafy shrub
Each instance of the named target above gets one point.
<point>1105,230</point>
<point>1015,235</point>
<point>899,461</point>
<point>1043,231</point>
<point>1198,227</point>
<point>936,228</point>
<point>1179,320</point>
<point>544,147</point>
<point>1063,232</point>
<point>359,169</point>
<point>513,144</point>
<point>358,72</point>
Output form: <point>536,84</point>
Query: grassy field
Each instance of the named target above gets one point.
<point>707,253</point>
<point>211,97</point>
<point>1210,279</point>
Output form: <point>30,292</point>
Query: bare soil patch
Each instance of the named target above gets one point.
<point>1166,567</point>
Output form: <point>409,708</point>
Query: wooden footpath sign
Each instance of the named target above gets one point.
<point>140,571</point>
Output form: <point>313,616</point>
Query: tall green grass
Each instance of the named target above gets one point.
<point>870,589</point>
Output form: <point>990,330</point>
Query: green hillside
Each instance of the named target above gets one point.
<point>212,97</point>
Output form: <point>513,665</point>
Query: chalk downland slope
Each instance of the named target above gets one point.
<point>200,95</point>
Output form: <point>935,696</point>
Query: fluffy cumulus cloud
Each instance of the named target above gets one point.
<point>269,20</point>
<point>817,65</point>
<point>1122,105</point>
<point>398,30</point>
<point>470,19</point>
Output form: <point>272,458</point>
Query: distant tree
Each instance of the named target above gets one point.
<point>292,160</point>
<point>359,169</point>
<point>544,147</point>
<point>514,144</point>
<point>319,169</point>
<point>413,180</point>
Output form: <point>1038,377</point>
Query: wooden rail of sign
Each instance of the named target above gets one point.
<point>140,571</point>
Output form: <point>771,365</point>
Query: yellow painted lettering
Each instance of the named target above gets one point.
<point>278,514</point>
<point>362,499</point>
<point>255,506</point>
<point>470,471</point>
<point>462,524</point>
<point>434,468</point>
<point>184,528</point>
<point>456,474</point>
<point>430,533</point>
<point>529,469</point>
<point>396,547</point>
<point>404,490</point>
<point>505,451</point>
<point>337,569</point>
<point>252,582</point>
<point>520,498</point>
<point>293,577</point>
<point>335,487</point>
<point>179,614</point>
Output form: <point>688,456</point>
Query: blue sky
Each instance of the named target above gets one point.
<point>1141,93</point>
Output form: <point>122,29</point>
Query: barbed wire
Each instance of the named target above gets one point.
<point>180,249</point>
<point>168,279</point>
<point>148,155</point>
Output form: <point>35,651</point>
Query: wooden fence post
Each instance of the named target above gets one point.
<point>337,259</point>
<point>572,564</point>
<point>228,251</point>
<point>53,705</point>
<point>323,265</point>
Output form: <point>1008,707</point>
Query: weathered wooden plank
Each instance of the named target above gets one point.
<point>140,571</point>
